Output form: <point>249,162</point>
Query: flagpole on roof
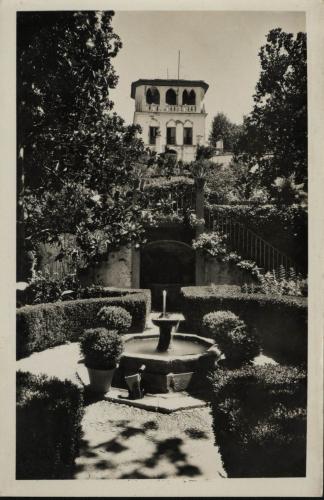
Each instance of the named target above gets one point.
<point>178,76</point>
<point>178,64</point>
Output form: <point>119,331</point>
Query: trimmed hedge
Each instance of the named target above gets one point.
<point>51,289</point>
<point>279,321</point>
<point>42,326</point>
<point>49,413</point>
<point>259,420</point>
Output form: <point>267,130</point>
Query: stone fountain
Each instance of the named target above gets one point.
<point>166,323</point>
<point>173,361</point>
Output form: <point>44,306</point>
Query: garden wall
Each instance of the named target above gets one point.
<point>280,321</point>
<point>224,273</point>
<point>42,326</point>
<point>115,271</point>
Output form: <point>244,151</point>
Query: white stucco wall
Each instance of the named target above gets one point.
<point>164,115</point>
<point>178,120</point>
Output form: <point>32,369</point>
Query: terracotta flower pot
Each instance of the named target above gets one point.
<point>100,380</point>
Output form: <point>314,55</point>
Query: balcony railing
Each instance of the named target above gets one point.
<point>168,108</point>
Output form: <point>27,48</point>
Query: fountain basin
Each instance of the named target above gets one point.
<point>182,367</point>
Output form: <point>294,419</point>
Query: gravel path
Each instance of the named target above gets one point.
<point>122,442</point>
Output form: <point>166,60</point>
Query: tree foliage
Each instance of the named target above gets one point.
<point>274,141</point>
<point>223,128</point>
<point>232,183</point>
<point>64,76</point>
<point>204,152</point>
<point>80,160</point>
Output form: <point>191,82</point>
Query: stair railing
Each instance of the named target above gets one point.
<point>247,243</point>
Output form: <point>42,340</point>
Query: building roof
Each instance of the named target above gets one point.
<point>168,82</point>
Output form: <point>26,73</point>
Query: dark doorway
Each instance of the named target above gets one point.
<point>167,265</point>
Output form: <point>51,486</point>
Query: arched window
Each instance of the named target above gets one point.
<point>171,97</point>
<point>185,97</point>
<point>189,97</point>
<point>153,96</point>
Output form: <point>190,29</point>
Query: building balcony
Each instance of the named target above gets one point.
<point>168,108</point>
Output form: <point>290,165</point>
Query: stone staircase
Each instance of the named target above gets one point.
<point>248,244</point>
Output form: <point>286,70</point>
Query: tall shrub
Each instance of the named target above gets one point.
<point>259,420</point>
<point>49,414</point>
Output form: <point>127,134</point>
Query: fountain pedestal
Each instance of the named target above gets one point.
<point>166,324</point>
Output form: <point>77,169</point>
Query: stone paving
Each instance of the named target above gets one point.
<point>122,442</point>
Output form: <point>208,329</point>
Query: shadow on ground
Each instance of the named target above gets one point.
<point>168,459</point>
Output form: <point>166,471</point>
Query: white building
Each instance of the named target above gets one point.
<point>171,114</point>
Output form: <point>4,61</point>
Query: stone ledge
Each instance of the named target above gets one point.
<point>164,403</point>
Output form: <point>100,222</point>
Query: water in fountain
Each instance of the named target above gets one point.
<point>165,344</point>
<point>178,347</point>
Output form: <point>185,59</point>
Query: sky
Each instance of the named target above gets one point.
<point>219,47</point>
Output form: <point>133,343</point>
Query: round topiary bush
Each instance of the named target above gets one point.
<point>231,335</point>
<point>115,318</point>
<point>101,348</point>
<point>219,323</point>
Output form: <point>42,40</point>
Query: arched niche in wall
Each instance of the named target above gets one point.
<point>153,96</point>
<point>171,123</point>
<point>189,97</point>
<point>171,97</point>
<point>167,265</point>
<point>188,123</point>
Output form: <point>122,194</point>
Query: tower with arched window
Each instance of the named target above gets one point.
<point>171,114</point>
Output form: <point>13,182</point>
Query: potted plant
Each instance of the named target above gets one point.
<point>101,349</point>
